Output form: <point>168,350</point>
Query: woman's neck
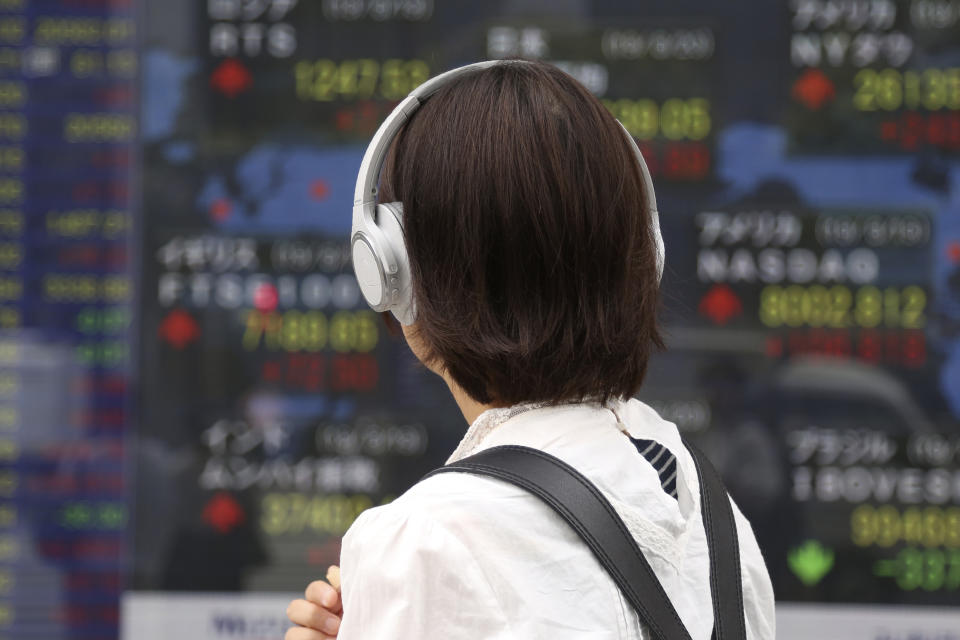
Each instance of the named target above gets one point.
<point>469,407</point>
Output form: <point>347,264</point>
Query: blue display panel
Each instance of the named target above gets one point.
<point>805,161</point>
<point>805,156</point>
<point>67,129</point>
<point>288,404</point>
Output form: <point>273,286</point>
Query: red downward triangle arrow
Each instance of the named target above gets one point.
<point>223,513</point>
<point>721,304</point>
<point>179,329</point>
<point>231,78</point>
<point>814,89</point>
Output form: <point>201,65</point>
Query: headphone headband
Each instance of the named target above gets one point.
<point>379,254</point>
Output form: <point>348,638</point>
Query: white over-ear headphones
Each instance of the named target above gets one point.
<point>379,254</point>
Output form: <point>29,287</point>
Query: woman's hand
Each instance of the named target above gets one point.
<point>318,616</point>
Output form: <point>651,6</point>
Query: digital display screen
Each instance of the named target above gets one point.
<point>68,125</point>
<point>874,78</point>
<point>195,398</point>
<point>290,405</point>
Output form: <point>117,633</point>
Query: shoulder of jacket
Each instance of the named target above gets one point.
<point>455,491</point>
<point>440,499</point>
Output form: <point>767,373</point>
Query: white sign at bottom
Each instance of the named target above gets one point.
<point>262,616</point>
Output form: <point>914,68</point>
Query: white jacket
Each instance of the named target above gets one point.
<point>462,557</point>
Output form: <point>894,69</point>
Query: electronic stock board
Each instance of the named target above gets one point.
<point>68,110</point>
<point>805,156</point>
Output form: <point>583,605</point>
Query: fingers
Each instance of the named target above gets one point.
<point>299,633</point>
<point>333,576</point>
<point>314,618</point>
<point>322,594</point>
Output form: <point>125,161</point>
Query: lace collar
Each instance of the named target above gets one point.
<point>663,531</point>
<point>490,419</point>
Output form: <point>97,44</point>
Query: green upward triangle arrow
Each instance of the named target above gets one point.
<point>810,562</point>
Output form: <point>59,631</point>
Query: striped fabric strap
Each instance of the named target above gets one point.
<point>662,460</point>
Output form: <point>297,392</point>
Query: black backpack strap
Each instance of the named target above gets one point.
<point>726,584</point>
<point>578,502</point>
<point>594,519</point>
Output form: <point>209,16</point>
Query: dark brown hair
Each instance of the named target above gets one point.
<point>533,264</point>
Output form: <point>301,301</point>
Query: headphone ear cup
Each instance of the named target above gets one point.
<point>400,289</point>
